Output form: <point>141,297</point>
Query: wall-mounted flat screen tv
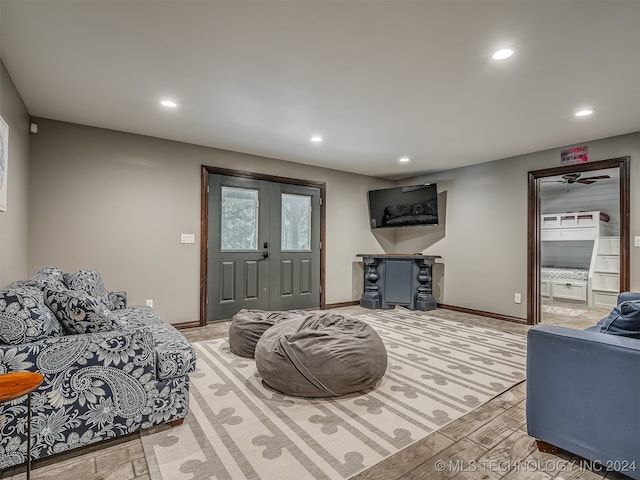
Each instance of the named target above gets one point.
<point>404,206</point>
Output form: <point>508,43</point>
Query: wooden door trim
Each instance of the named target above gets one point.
<point>533,224</point>
<point>204,223</point>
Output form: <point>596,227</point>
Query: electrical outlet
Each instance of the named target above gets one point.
<point>150,302</point>
<point>187,238</point>
<point>517,298</point>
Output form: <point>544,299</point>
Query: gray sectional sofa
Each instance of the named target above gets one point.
<point>109,369</point>
<point>583,389</point>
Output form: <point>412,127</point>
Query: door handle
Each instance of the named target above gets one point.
<point>265,254</point>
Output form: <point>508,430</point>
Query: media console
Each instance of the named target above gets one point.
<point>395,279</point>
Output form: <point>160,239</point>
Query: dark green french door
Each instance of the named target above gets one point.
<point>264,246</point>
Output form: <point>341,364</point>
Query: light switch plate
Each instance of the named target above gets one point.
<point>187,238</point>
<point>636,241</point>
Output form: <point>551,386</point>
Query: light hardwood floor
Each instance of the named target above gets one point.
<point>489,443</point>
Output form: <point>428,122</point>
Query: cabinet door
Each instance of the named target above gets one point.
<point>398,282</point>
<point>570,290</point>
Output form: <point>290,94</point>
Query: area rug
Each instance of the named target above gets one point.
<point>237,428</point>
<point>570,312</point>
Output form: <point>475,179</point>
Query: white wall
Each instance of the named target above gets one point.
<point>118,202</point>
<point>14,222</point>
<point>484,246</point>
<point>600,196</point>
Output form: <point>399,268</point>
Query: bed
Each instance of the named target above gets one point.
<point>579,260</point>
<point>564,283</point>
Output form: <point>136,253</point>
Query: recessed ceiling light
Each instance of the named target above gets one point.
<point>502,54</point>
<point>168,103</point>
<point>316,139</point>
<point>584,113</point>
<point>404,159</point>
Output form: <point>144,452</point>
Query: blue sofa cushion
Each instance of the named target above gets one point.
<point>89,281</point>
<point>624,320</point>
<point>79,312</point>
<point>24,317</point>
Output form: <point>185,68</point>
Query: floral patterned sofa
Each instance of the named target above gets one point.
<point>108,369</point>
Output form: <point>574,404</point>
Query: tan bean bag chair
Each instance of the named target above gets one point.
<point>247,326</point>
<point>321,355</point>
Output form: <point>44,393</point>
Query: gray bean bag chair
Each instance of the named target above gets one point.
<point>247,326</point>
<point>321,355</point>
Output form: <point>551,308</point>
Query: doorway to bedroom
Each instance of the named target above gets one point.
<point>263,243</point>
<point>578,241</point>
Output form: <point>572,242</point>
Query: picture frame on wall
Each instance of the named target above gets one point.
<point>4,163</point>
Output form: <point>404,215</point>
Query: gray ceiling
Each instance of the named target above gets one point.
<point>377,79</point>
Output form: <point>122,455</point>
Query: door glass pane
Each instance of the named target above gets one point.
<point>296,222</point>
<point>239,219</point>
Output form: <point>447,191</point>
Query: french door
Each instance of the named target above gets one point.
<point>263,246</point>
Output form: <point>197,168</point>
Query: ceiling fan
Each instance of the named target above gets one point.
<point>570,178</point>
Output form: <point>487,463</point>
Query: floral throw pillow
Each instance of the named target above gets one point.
<point>89,281</point>
<point>24,317</point>
<point>118,300</point>
<point>79,312</point>
<point>51,277</point>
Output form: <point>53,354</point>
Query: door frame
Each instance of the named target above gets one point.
<point>533,225</point>
<point>204,223</point>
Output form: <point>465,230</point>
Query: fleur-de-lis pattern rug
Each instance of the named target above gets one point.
<point>237,428</point>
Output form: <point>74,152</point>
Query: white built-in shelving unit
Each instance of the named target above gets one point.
<point>583,260</point>
<point>606,272</point>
